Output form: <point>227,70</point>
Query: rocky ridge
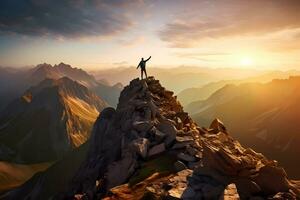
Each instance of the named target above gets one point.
<point>149,148</point>
<point>206,163</point>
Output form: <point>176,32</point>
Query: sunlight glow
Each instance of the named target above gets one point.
<point>246,61</point>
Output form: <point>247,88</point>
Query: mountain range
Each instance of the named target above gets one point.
<point>191,95</point>
<point>263,116</point>
<point>150,148</point>
<point>14,82</point>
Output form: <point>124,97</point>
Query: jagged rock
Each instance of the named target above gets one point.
<point>140,146</point>
<point>178,165</point>
<point>119,171</point>
<point>167,126</point>
<point>142,125</point>
<point>179,183</point>
<point>159,136</point>
<point>230,193</point>
<point>217,126</point>
<point>186,157</point>
<point>186,139</point>
<point>272,179</point>
<point>157,149</point>
<point>247,187</point>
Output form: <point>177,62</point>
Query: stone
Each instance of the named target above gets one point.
<point>179,166</point>
<point>140,146</point>
<point>230,193</point>
<point>186,157</point>
<point>188,193</point>
<point>212,192</point>
<point>184,139</point>
<point>192,151</point>
<point>167,127</point>
<point>168,94</point>
<point>118,172</point>
<point>179,184</point>
<point>159,136</point>
<point>247,187</point>
<point>142,125</point>
<point>272,179</point>
<point>218,126</point>
<point>157,149</point>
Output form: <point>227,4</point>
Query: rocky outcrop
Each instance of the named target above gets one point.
<point>210,164</point>
<point>149,148</point>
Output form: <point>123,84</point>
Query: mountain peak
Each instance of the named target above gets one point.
<point>49,120</point>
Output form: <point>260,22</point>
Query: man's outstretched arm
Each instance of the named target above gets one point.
<point>148,59</point>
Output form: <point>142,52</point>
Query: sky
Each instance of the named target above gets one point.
<point>97,34</point>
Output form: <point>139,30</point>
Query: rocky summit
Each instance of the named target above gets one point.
<point>149,148</point>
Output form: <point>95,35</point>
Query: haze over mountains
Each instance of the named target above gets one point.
<point>264,116</point>
<point>14,82</point>
<point>190,95</point>
<point>178,78</point>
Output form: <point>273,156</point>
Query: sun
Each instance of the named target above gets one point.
<point>246,61</point>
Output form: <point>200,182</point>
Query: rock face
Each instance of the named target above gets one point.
<point>149,148</point>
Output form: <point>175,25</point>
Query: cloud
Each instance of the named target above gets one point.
<point>204,56</point>
<point>65,18</point>
<point>132,41</point>
<point>228,18</point>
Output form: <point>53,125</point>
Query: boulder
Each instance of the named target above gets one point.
<point>230,193</point>
<point>118,172</point>
<point>272,179</point>
<point>186,157</point>
<point>179,166</point>
<point>247,187</point>
<point>167,127</point>
<point>140,146</point>
<point>217,126</point>
<point>157,149</point>
<point>159,136</point>
<point>142,125</point>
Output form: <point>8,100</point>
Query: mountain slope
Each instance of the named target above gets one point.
<point>149,148</point>
<point>263,116</point>
<point>192,95</point>
<point>47,121</point>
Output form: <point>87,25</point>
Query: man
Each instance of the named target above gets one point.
<point>142,65</point>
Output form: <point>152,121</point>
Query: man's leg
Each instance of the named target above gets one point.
<point>141,73</point>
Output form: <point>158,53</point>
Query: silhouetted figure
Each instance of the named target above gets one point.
<point>142,65</point>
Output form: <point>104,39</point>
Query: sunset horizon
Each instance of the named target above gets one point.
<point>104,34</point>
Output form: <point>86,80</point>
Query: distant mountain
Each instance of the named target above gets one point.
<point>191,95</point>
<point>14,82</point>
<point>263,116</point>
<point>43,71</point>
<point>177,78</point>
<point>102,89</point>
<point>47,121</point>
